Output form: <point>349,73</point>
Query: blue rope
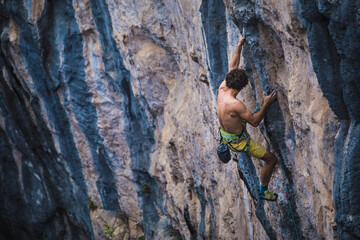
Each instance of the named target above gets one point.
<point>288,198</point>
<point>257,109</point>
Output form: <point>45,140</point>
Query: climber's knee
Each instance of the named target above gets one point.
<point>274,160</point>
<point>270,158</point>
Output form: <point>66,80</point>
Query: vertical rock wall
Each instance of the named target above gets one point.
<point>108,119</point>
<point>333,33</point>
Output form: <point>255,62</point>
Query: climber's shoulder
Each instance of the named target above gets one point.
<point>238,106</point>
<point>230,105</point>
<point>222,86</point>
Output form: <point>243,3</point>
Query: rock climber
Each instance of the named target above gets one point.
<point>232,113</point>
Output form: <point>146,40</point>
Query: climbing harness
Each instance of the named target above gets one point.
<point>224,147</point>
<point>235,139</point>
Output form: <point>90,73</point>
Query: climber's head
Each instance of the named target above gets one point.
<point>236,79</point>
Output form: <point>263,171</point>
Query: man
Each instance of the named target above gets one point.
<point>232,113</point>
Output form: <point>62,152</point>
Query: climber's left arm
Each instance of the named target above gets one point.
<point>255,119</point>
<point>234,63</point>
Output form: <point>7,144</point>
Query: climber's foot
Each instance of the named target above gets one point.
<point>269,196</point>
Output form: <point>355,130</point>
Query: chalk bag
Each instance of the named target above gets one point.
<point>223,152</point>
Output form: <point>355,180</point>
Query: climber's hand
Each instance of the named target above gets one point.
<point>270,98</point>
<point>241,42</point>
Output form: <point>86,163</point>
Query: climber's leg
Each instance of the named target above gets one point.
<point>265,176</point>
<point>258,151</point>
<point>266,172</point>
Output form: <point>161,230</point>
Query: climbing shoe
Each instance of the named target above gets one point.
<point>269,196</point>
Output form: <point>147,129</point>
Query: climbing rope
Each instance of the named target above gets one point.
<point>289,200</point>
<point>287,194</point>
<point>258,107</point>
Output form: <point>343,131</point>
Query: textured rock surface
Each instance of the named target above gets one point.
<point>108,119</point>
<point>333,33</point>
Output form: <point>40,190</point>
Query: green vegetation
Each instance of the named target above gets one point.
<point>110,230</point>
<point>91,203</point>
<point>174,233</point>
<point>145,189</point>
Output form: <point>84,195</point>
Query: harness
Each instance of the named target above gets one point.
<point>235,139</point>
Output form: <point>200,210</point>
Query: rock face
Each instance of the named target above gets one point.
<point>333,33</point>
<point>108,125</point>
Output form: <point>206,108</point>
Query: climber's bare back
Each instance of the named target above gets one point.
<point>228,108</point>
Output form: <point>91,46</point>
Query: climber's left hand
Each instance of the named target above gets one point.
<point>270,98</point>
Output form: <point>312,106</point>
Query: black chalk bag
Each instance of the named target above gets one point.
<point>223,152</point>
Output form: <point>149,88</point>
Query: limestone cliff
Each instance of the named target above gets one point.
<point>108,126</point>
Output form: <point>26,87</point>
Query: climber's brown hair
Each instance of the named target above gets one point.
<point>236,79</point>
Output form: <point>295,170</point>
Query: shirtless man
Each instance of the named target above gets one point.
<point>232,112</point>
